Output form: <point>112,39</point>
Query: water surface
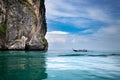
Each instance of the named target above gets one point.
<point>59,65</point>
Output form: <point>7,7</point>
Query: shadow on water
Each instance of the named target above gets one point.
<point>21,65</point>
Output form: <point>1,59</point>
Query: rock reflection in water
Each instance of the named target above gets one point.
<point>22,68</point>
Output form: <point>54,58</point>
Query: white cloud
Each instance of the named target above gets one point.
<point>76,14</point>
<point>107,37</point>
<point>57,32</point>
<point>55,7</point>
<point>108,31</point>
<point>66,41</point>
<point>97,14</point>
<point>56,37</point>
<point>63,8</point>
<point>87,31</point>
<point>104,39</point>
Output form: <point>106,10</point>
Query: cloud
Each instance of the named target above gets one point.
<point>78,14</point>
<point>66,41</point>
<point>56,36</point>
<point>103,39</point>
<point>99,19</point>
<point>57,32</point>
<point>87,31</point>
<point>108,37</point>
<point>97,14</point>
<point>109,30</point>
<point>58,8</point>
<point>63,8</point>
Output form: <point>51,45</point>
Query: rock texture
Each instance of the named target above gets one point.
<point>22,25</point>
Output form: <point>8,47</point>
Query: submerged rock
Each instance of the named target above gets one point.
<point>23,25</point>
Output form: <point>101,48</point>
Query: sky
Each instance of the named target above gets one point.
<point>83,24</point>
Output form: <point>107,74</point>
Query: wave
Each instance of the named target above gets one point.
<point>92,55</point>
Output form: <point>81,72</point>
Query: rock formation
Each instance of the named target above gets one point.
<point>22,25</point>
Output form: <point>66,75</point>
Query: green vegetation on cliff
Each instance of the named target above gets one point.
<point>2,29</point>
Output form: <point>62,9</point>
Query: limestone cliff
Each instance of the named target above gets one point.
<point>22,25</point>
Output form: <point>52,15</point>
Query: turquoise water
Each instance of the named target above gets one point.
<point>59,65</point>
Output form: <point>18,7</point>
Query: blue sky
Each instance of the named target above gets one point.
<point>83,24</point>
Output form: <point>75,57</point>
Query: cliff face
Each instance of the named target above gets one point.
<point>23,25</point>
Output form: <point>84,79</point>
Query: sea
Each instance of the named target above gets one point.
<point>59,65</point>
